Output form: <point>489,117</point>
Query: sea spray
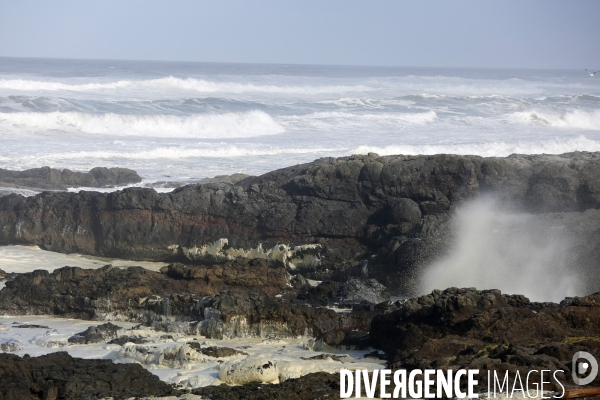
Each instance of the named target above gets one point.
<point>515,252</point>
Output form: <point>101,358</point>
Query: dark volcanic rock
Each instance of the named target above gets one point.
<point>60,376</point>
<point>242,314</point>
<point>96,334</point>
<point>29,326</point>
<point>6,276</point>
<point>390,211</point>
<point>121,340</point>
<point>178,301</point>
<point>231,179</point>
<point>240,273</point>
<point>353,291</point>
<point>325,357</point>
<point>315,386</point>
<point>134,293</point>
<point>486,330</point>
<point>55,179</point>
<point>215,351</point>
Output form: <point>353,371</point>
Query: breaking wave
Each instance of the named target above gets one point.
<point>337,120</point>
<point>493,149</point>
<point>171,82</point>
<point>577,119</point>
<point>180,152</point>
<point>227,125</point>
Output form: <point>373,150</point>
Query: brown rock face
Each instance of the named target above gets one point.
<point>88,293</point>
<point>240,273</point>
<point>230,300</point>
<point>392,211</point>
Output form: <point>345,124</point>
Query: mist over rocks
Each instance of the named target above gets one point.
<point>319,219</point>
<point>46,178</point>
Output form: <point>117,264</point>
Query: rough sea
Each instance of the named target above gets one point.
<point>187,121</point>
<point>182,122</point>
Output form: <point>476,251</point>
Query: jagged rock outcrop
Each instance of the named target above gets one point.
<point>318,218</point>
<point>96,334</point>
<point>215,351</point>
<point>352,291</point>
<point>60,376</point>
<point>241,314</point>
<point>97,293</point>
<point>231,300</point>
<point>47,178</point>
<point>486,330</point>
<point>6,276</point>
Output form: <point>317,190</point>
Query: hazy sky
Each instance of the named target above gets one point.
<point>479,33</point>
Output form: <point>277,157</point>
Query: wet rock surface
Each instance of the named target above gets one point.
<point>91,293</point>
<point>353,291</point>
<point>243,313</point>
<point>6,276</point>
<point>319,385</point>
<point>487,330</point>
<point>357,223</point>
<point>215,351</point>
<point>97,334</point>
<point>47,178</point>
<point>121,340</point>
<point>60,376</point>
<point>180,300</point>
<point>391,211</point>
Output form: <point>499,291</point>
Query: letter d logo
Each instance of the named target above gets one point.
<point>582,367</point>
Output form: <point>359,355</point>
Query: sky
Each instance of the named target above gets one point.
<point>465,33</point>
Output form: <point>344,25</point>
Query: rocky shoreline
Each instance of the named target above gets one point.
<point>60,376</point>
<point>449,329</point>
<point>383,217</point>
<point>46,178</point>
<point>244,255</point>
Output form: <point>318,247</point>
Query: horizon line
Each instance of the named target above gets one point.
<point>286,64</point>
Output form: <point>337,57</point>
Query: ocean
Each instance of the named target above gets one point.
<point>182,122</point>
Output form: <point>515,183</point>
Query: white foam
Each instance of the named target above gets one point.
<point>291,257</point>
<point>174,362</point>
<point>172,356</point>
<point>577,119</point>
<point>493,149</point>
<point>251,369</point>
<point>180,152</point>
<point>231,125</point>
<point>344,120</point>
<point>29,85</point>
<point>170,82</point>
<point>21,259</point>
